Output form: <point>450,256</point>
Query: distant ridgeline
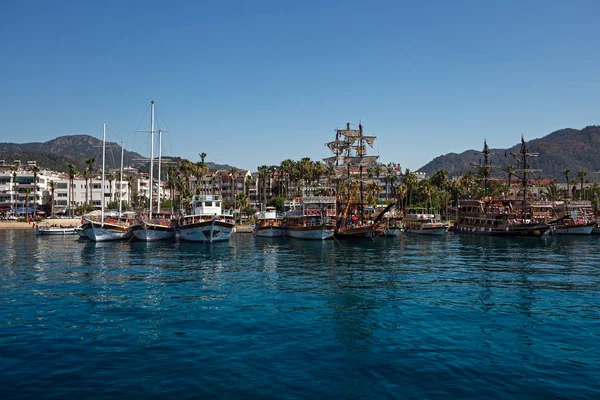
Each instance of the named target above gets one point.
<point>56,154</point>
<point>571,149</point>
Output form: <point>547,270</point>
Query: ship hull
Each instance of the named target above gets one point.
<point>152,233</point>
<point>366,232</point>
<point>269,231</point>
<point>574,229</point>
<point>309,232</point>
<point>206,231</point>
<point>391,232</point>
<point>516,230</point>
<point>56,231</point>
<point>430,231</point>
<point>105,232</point>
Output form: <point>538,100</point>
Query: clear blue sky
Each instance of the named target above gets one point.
<point>256,82</point>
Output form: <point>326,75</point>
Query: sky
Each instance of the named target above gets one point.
<point>256,82</point>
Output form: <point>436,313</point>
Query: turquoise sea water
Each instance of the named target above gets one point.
<point>408,317</point>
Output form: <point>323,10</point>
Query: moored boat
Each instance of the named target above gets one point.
<point>106,229</point>
<point>499,217</point>
<point>392,224</point>
<point>495,218</point>
<point>422,222</point>
<point>310,217</point>
<point>571,226</point>
<point>355,220</point>
<point>153,227</point>
<point>576,218</point>
<point>56,230</point>
<point>268,223</point>
<point>206,223</point>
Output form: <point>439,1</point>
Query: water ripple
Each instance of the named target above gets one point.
<point>414,317</point>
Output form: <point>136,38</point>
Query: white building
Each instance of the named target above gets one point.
<point>17,189</point>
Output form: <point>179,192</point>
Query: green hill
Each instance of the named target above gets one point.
<point>57,153</point>
<point>571,149</point>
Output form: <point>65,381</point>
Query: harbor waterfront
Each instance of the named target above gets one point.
<point>453,316</point>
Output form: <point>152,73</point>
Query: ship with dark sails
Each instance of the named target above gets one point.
<point>349,165</point>
<point>500,216</point>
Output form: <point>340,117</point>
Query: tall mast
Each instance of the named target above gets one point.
<point>348,154</point>
<point>159,163</point>
<point>486,171</point>
<point>484,168</point>
<point>525,170</point>
<point>151,160</point>
<point>360,154</point>
<point>121,181</point>
<point>103,166</point>
<point>522,159</point>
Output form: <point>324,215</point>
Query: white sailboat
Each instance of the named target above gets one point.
<point>154,226</point>
<point>106,229</point>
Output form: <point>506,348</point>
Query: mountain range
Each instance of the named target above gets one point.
<point>572,149</point>
<point>57,154</point>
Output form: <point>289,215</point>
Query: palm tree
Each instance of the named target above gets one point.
<point>319,169</point>
<point>372,190</point>
<point>86,177</point>
<point>287,168</point>
<point>552,191</point>
<point>72,171</point>
<point>186,169</point>
<point>243,202</point>
<point>263,174</point>
<point>427,191</point>
<point>377,170</point>
<point>468,181</point>
<point>129,180</point>
<point>89,174</point>
<point>444,197</point>
<point>52,186</point>
<point>439,179</point>
<point>36,170</point>
<point>401,195</point>
<point>593,193</point>
<point>110,177</point>
<point>250,182</point>
<point>581,176</point>
<point>410,180</point>
<point>304,171</point>
<point>566,174</point>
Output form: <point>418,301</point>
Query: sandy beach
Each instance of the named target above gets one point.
<point>49,221</point>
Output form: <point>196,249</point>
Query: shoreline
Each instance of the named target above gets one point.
<point>5,225</point>
<point>50,221</point>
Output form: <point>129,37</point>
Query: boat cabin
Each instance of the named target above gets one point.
<point>206,205</point>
